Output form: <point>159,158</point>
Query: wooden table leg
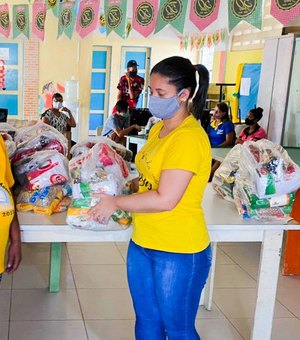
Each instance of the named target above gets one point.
<point>267,284</point>
<point>55,264</point>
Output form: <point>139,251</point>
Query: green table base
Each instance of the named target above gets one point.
<point>55,263</point>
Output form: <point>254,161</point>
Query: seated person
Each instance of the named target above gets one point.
<point>59,116</point>
<point>221,129</point>
<point>117,126</point>
<point>253,132</point>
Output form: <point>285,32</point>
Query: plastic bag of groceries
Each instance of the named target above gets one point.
<point>100,170</point>
<point>270,167</point>
<point>43,201</point>
<point>9,143</point>
<point>77,216</point>
<point>42,169</point>
<point>48,140</point>
<point>224,177</point>
<point>249,205</point>
<point>28,132</point>
<point>88,143</point>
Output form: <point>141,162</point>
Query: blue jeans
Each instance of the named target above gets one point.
<point>165,289</point>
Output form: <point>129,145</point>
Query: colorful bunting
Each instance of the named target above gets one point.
<point>20,20</point>
<point>4,20</point>
<point>53,4</point>
<point>285,10</point>
<point>171,12</point>
<point>66,18</point>
<point>38,19</point>
<point>115,16</point>
<point>203,13</point>
<point>87,19</point>
<point>249,11</point>
<point>144,16</point>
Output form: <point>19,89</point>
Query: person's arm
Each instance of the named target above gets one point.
<point>119,95</point>
<point>229,139</point>
<point>165,198</point>
<point>70,121</point>
<point>124,132</point>
<point>14,249</point>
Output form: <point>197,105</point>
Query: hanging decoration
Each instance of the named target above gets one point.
<point>87,19</point>
<point>2,74</point>
<point>198,41</point>
<point>20,20</point>
<point>102,22</point>
<point>66,18</point>
<point>171,12</point>
<point>285,10</point>
<point>203,13</point>
<point>4,20</point>
<point>249,11</point>
<point>53,5</point>
<point>38,19</point>
<point>144,16</point>
<point>115,16</point>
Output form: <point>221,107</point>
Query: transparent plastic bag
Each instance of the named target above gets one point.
<point>47,140</point>
<point>87,144</point>
<point>8,129</point>
<point>270,168</point>
<point>42,169</point>
<point>224,177</point>
<point>29,132</point>
<point>77,216</point>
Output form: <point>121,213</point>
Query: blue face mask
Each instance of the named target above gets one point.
<point>164,108</point>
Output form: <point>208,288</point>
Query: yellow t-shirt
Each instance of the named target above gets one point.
<point>6,201</point>
<point>183,229</point>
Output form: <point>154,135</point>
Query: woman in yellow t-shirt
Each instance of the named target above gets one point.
<point>9,225</point>
<point>169,255</point>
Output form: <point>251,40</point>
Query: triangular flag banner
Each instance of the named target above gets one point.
<point>52,4</point>
<point>144,16</point>
<point>38,19</point>
<point>4,20</point>
<point>249,11</point>
<point>203,13</point>
<point>115,16</point>
<point>171,12</point>
<point>20,20</point>
<point>66,18</point>
<point>285,11</point>
<point>87,18</point>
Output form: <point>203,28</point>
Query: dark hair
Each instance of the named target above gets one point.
<point>182,74</point>
<point>122,106</point>
<point>257,113</point>
<point>57,96</point>
<point>223,107</point>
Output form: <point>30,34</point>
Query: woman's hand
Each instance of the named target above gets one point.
<point>14,256</point>
<point>103,210</point>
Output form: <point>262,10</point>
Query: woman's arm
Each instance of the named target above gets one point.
<point>122,133</point>
<point>70,121</point>
<point>229,139</point>
<point>165,198</point>
<point>45,120</point>
<point>14,249</point>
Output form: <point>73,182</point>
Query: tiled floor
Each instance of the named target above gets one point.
<point>94,302</point>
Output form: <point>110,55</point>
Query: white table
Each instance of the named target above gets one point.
<point>224,225</point>
<point>139,141</point>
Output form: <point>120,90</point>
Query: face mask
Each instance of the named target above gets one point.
<point>217,116</point>
<point>249,121</point>
<point>57,105</point>
<point>126,115</point>
<point>164,108</point>
<point>132,74</point>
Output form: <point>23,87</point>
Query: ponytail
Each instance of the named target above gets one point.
<point>201,94</point>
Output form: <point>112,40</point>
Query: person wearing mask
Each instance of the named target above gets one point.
<point>253,131</point>
<point>221,130</point>
<point>118,126</point>
<point>59,116</point>
<point>9,224</point>
<point>169,255</point>
<point>130,85</point>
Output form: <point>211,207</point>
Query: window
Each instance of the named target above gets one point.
<point>207,58</point>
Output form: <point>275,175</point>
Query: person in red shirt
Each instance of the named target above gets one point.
<point>253,131</point>
<point>130,85</point>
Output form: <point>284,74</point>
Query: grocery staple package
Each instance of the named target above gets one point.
<point>95,171</point>
<point>224,177</point>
